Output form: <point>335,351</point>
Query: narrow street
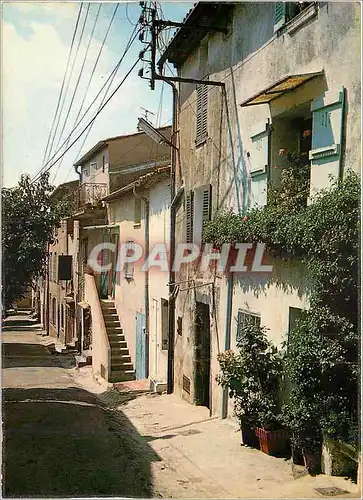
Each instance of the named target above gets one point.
<point>60,440</point>
<point>66,435</point>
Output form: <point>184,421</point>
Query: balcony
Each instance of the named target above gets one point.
<point>89,195</point>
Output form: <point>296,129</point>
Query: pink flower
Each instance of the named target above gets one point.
<point>307,133</point>
<point>282,151</point>
<point>245,218</point>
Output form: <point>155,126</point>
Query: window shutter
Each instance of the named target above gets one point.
<point>206,205</point>
<point>259,163</point>
<point>137,214</point>
<point>202,113</point>
<point>65,267</point>
<point>129,266</point>
<point>189,208</point>
<point>325,154</point>
<point>280,15</point>
<point>164,323</point>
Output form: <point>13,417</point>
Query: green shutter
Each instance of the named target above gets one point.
<point>206,205</point>
<point>189,208</point>
<point>202,113</point>
<point>280,15</point>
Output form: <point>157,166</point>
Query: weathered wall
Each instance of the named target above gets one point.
<point>129,293</point>
<point>99,174</point>
<point>248,61</point>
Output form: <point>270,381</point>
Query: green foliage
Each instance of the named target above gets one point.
<point>252,377</point>
<point>29,217</point>
<point>322,355</point>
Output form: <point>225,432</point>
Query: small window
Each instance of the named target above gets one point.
<point>286,11</point>
<point>243,318</point>
<point>137,212</point>
<point>129,266</point>
<point>164,324</point>
<point>85,171</point>
<point>202,114</point>
<point>93,167</point>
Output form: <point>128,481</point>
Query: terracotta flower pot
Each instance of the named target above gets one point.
<point>274,443</point>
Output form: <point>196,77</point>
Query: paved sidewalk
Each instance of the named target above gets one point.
<point>203,457</point>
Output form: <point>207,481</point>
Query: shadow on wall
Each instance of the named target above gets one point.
<point>66,442</point>
<point>287,276</point>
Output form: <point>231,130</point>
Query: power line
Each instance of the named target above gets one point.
<point>129,43</point>
<point>93,119</point>
<point>79,76</point>
<point>91,77</point>
<point>90,106</point>
<point>63,82</point>
<point>76,87</point>
<point>127,15</point>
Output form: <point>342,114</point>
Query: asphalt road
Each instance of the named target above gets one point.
<point>60,440</point>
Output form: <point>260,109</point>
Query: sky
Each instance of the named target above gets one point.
<point>36,40</point>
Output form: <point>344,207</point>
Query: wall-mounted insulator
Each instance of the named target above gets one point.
<point>141,72</point>
<point>141,4</point>
<point>142,19</point>
<point>141,54</point>
<point>141,36</point>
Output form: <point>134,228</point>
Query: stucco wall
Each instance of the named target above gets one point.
<point>129,293</point>
<point>99,175</point>
<point>248,61</point>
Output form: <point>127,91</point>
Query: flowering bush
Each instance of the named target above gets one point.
<point>252,377</point>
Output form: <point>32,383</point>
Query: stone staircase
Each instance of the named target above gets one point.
<point>121,366</point>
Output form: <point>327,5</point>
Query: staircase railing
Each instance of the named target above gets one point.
<point>101,350</point>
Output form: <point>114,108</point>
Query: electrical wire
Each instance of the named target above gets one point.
<point>63,82</point>
<point>127,15</point>
<point>131,39</point>
<point>80,72</point>
<point>94,118</point>
<point>76,87</point>
<point>91,104</point>
<point>69,79</point>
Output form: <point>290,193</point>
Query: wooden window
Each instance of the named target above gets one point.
<point>189,209</point>
<point>137,212</point>
<point>245,317</point>
<point>164,324</point>
<point>202,114</point>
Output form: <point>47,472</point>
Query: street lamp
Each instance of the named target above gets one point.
<point>144,126</point>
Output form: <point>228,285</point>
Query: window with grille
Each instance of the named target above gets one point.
<point>202,114</point>
<point>244,318</point>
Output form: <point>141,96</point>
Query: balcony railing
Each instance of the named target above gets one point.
<point>90,194</point>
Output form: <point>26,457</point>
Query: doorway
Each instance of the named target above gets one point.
<point>202,355</point>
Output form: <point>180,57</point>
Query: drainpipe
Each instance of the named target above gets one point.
<point>78,173</point>
<point>227,339</point>
<point>146,291</point>
<point>171,315</point>
<point>47,319</point>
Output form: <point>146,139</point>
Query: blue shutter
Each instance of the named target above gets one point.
<point>259,163</point>
<point>280,15</point>
<point>326,149</point>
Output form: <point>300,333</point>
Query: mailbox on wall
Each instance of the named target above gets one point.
<point>64,267</point>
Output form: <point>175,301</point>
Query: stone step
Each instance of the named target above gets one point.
<point>110,316</point>
<point>116,336</point>
<point>122,376</point>
<point>122,344</point>
<point>112,324</point>
<point>117,358</point>
<point>119,351</point>
<point>121,367</point>
<point>114,329</point>
<point>82,360</point>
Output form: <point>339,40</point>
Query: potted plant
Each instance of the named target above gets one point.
<point>252,377</point>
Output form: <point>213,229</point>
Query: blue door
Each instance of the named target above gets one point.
<point>140,346</point>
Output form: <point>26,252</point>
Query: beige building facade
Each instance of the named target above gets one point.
<point>280,70</point>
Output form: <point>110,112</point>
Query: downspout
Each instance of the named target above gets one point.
<point>227,338</point>
<point>78,173</point>
<point>47,319</point>
<point>171,302</point>
<point>146,290</point>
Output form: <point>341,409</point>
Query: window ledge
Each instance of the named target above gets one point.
<point>200,142</point>
<point>137,225</point>
<point>301,19</point>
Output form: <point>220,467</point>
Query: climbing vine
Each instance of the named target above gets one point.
<point>321,363</point>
